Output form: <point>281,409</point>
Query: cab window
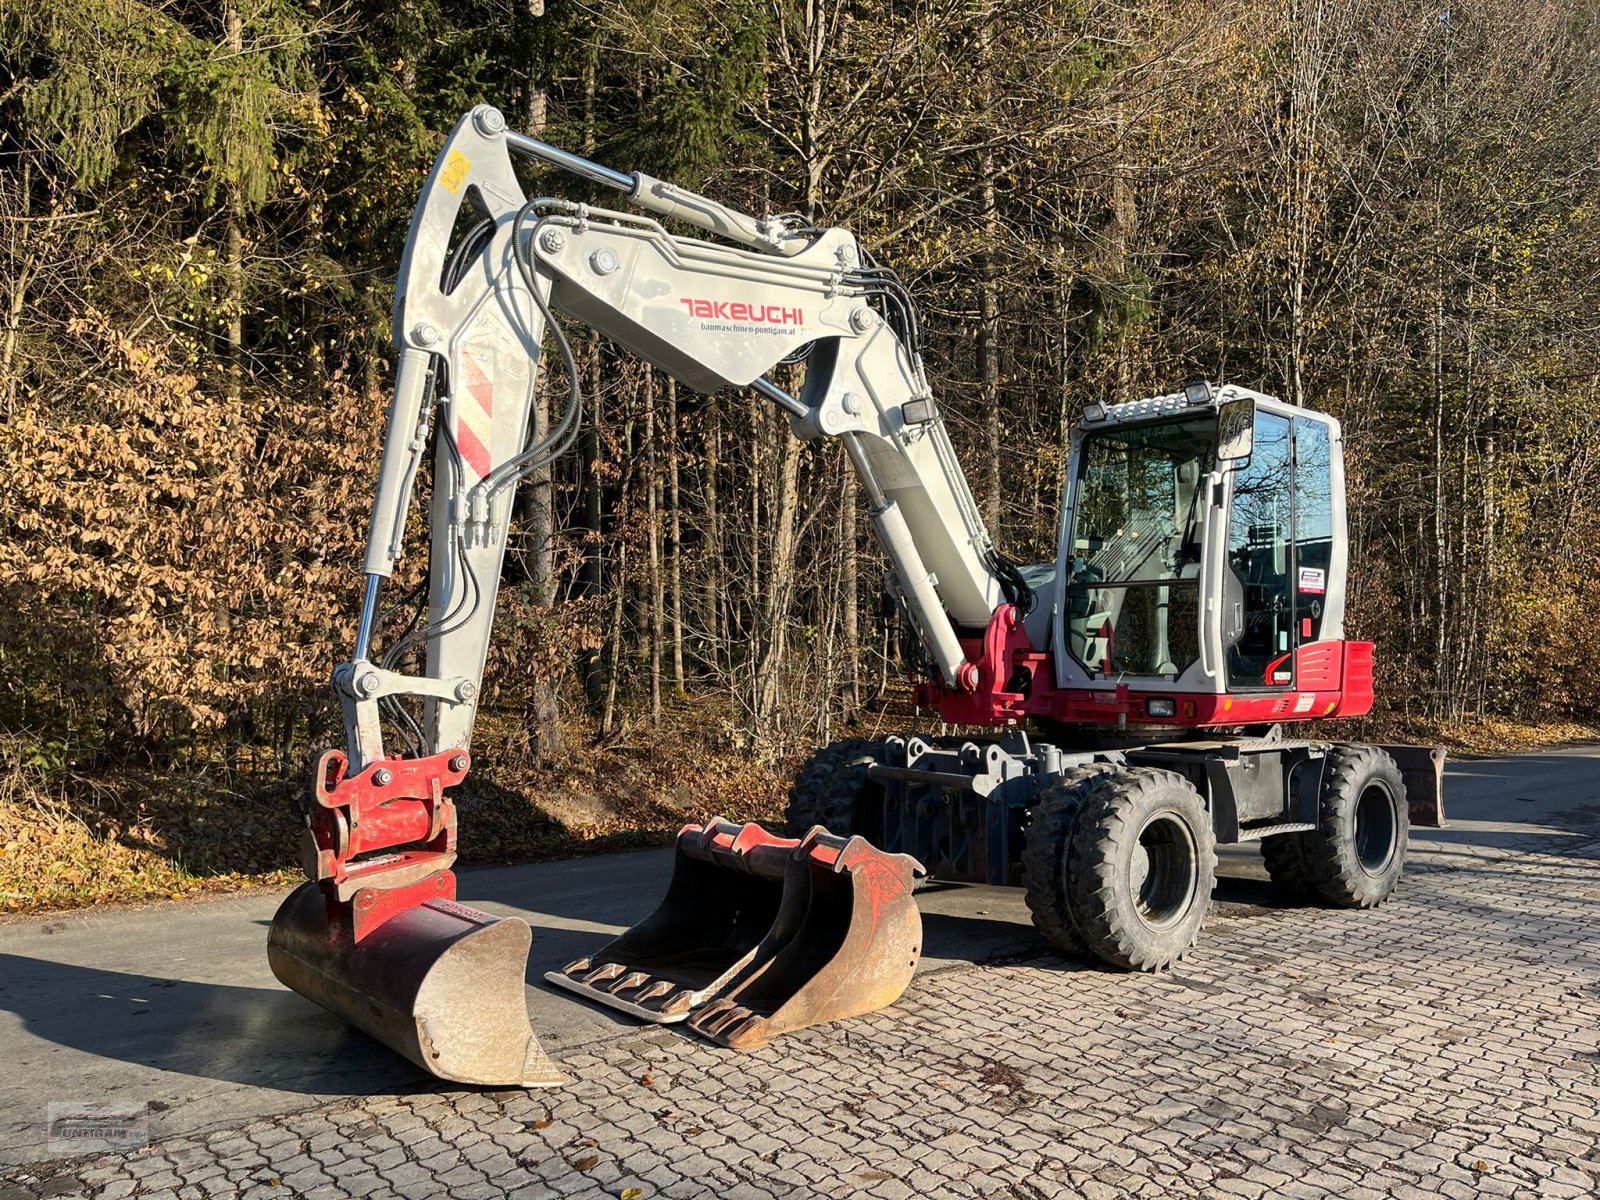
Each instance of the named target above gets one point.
<point>1258,595</point>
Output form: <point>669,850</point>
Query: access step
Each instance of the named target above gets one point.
<point>1255,834</point>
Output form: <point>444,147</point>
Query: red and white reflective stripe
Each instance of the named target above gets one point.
<point>474,419</point>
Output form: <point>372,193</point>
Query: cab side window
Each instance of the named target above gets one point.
<point>1258,598</point>
<point>1313,524</point>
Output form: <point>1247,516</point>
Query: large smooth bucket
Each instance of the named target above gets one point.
<point>441,983</point>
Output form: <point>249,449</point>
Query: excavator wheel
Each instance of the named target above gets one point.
<point>1140,867</point>
<point>1051,824</point>
<point>1354,859</point>
<point>1284,856</point>
<point>832,790</point>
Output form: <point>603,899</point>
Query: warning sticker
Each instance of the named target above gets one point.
<point>455,170</point>
<point>1304,701</point>
<point>1313,579</point>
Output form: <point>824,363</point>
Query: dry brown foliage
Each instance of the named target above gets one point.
<point>176,555</point>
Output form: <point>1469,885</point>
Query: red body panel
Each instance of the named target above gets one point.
<point>1332,679</point>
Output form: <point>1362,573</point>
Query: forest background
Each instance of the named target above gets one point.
<point>1379,208</point>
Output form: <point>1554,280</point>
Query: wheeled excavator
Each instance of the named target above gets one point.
<point>1126,702</point>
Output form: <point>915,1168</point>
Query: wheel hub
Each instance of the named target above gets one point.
<point>1375,829</point>
<point>1164,871</point>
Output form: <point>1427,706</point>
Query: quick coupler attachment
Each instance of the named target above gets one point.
<point>759,934</point>
<point>375,935</point>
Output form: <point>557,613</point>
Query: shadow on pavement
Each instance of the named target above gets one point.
<point>268,1038</point>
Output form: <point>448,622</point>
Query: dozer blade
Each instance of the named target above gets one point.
<point>441,983</point>
<point>759,935</point>
<point>1422,769</point>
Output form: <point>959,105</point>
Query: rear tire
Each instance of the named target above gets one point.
<point>1356,856</point>
<point>1285,859</point>
<point>1140,868</point>
<point>832,790</point>
<point>1051,823</point>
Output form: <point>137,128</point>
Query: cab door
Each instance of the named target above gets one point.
<point>1258,583</point>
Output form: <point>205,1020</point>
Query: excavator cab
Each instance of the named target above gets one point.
<point>1202,545</point>
<point>1203,555</point>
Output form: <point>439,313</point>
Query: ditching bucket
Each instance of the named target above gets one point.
<point>759,935</point>
<point>377,937</point>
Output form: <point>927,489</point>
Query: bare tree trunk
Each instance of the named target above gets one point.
<point>594,684</point>
<point>652,500</point>
<point>713,614</point>
<point>1124,215</point>
<point>1441,544</point>
<point>19,282</point>
<point>538,509</point>
<point>674,552</point>
<point>849,588</point>
<point>774,632</point>
<point>613,648</point>
<point>233,235</point>
<point>989,300</point>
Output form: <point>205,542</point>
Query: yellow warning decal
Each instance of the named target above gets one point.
<point>455,170</point>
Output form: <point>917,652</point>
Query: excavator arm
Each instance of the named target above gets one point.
<point>471,315</point>
<point>376,934</point>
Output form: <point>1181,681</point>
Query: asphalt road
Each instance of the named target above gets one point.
<point>174,1004</point>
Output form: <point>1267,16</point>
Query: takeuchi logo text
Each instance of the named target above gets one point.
<point>738,310</point>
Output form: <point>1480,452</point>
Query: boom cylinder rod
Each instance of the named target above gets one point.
<point>582,167</point>
<point>655,195</point>
<point>369,616</point>
<point>780,397</point>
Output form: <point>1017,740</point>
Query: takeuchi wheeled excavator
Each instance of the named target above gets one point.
<point>1135,689</point>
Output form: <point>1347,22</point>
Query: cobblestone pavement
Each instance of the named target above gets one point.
<point>1447,1044</point>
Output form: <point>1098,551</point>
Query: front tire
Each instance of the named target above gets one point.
<point>1140,868</point>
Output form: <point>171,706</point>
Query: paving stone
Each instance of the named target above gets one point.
<point>1441,1045</point>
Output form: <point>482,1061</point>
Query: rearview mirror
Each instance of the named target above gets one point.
<point>1236,430</point>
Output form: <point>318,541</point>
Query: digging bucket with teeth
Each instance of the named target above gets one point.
<point>759,934</point>
<point>376,937</point>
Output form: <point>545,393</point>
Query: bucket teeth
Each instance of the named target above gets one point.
<point>758,935</point>
<point>601,975</point>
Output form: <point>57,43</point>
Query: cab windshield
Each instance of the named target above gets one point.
<point>1133,580</point>
<point>1136,515</point>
